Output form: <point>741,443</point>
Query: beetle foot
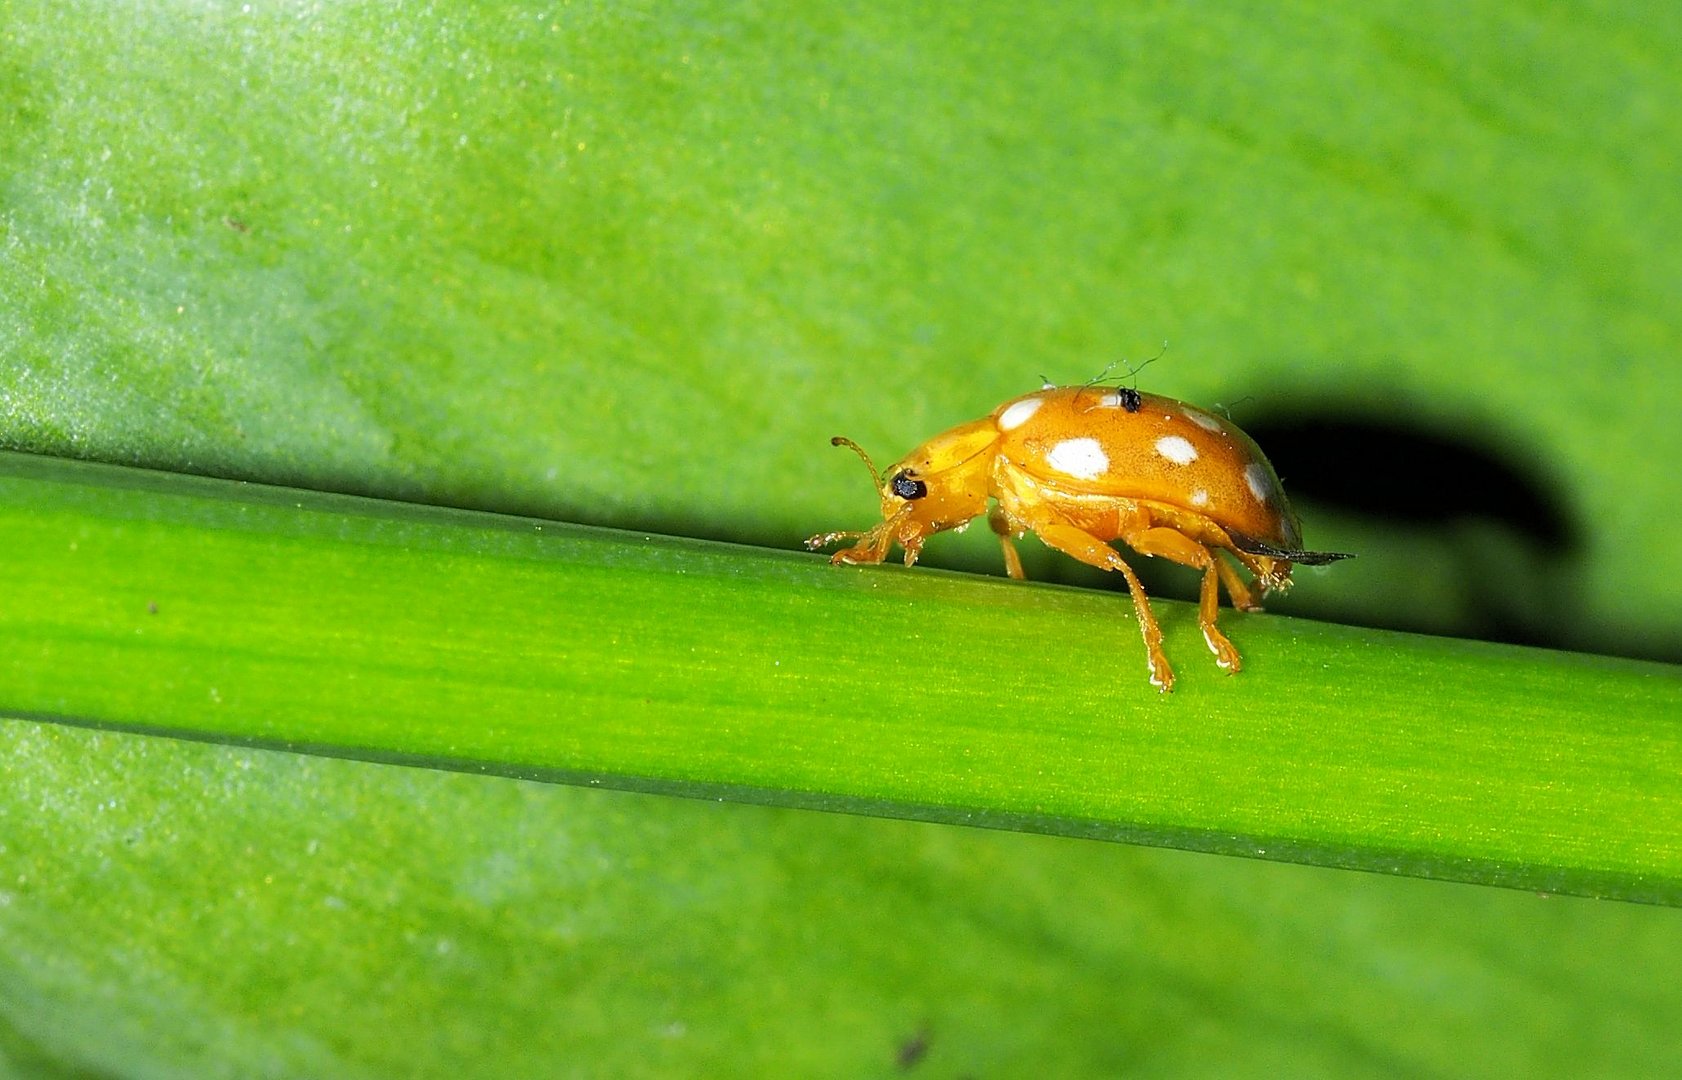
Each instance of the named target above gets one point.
<point>1225,654</point>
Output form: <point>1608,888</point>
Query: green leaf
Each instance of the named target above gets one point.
<point>400,633</point>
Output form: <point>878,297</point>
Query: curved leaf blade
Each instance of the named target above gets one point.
<point>470,641</point>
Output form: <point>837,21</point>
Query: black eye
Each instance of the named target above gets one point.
<point>1130,399</point>
<point>907,487</point>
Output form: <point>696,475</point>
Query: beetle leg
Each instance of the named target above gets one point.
<point>1272,575</point>
<point>1089,549</point>
<point>873,544</point>
<point>821,540</point>
<point>1242,598</point>
<point>1175,545</point>
<point>1001,527</point>
<point>1208,608</point>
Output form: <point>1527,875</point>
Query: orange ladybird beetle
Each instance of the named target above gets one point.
<point>1080,466</point>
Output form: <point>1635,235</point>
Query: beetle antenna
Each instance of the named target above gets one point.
<point>1134,369</point>
<point>1100,377</point>
<point>842,440</point>
<point>1226,410</point>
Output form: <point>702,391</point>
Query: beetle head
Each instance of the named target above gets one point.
<point>940,485</point>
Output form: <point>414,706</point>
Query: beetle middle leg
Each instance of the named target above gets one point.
<point>1175,545</point>
<point>1090,550</point>
<point>999,522</point>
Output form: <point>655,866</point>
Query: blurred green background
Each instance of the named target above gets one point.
<point>633,264</point>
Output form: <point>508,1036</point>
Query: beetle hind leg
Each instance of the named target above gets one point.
<point>1242,598</point>
<point>1208,608</point>
<point>1176,546</point>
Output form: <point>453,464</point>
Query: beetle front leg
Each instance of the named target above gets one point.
<point>823,540</point>
<point>872,546</point>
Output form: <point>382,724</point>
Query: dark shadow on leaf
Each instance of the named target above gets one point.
<point>1413,476</point>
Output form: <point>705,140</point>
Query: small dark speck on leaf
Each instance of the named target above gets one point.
<point>911,1051</point>
<point>152,607</point>
<point>236,224</point>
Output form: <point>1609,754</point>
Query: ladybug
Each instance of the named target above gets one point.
<point>1080,466</point>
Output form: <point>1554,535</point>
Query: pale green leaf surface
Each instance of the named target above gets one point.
<point>177,909</point>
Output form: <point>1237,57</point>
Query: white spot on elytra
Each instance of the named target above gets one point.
<point>1256,477</point>
<point>1177,449</point>
<point>1203,420</point>
<point>1083,459</point>
<point>1018,414</point>
<point>1200,498</point>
